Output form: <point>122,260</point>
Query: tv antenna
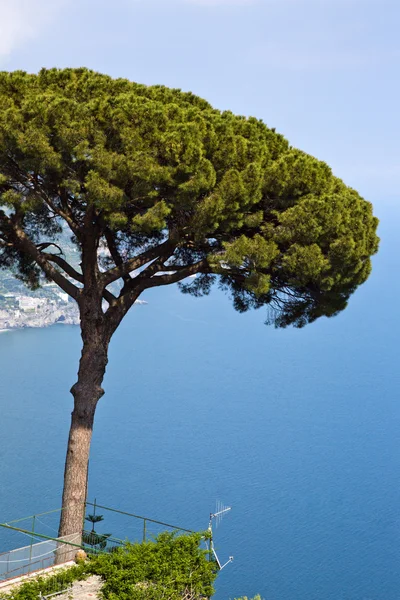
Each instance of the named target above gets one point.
<point>219,514</point>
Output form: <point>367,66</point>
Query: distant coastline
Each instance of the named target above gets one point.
<point>21,307</point>
<point>41,314</point>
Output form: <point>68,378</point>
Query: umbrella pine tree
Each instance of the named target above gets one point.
<point>153,186</point>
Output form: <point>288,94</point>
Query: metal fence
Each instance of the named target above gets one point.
<point>130,527</point>
<point>36,557</point>
<point>41,551</point>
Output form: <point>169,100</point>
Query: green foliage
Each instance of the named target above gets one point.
<point>168,567</point>
<point>165,568</point>
<point>92,540</point>
<point>47,585</point>
<point>272,224</point>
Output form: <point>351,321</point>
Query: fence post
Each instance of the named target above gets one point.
<point>144,530</point>
<point>33,531</point>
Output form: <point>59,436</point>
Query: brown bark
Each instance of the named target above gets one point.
<point>86,392</point>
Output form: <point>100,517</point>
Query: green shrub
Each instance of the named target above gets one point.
<point>166,568</point>
<point>46,584</point>
<point>172,566</point>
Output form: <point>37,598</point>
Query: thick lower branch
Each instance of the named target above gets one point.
<point>64,265</point>
<point>180,273</point>
<point>162,250</point>
<point>25,245</point>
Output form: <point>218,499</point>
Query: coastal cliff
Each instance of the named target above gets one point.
<point>28,311</point>
<point>43,316</point>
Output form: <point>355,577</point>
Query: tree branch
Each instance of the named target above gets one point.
<point>149,278</point>
<point>136,262</point>
<point>25,245</point>
<point>63,214</point>
<point>32,181</point>
<point>180,273</point>
<point>157,266</point>
<point>65,266</point>
<point>109,297</point>
<point>118,309</point>
<point>67,214</point>
<point>115,255</point>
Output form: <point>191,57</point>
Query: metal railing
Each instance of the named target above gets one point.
<point>41,552</point>
<point>149,527</point>
<point>35,557</point>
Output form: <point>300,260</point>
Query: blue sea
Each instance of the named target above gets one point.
<point>297,430</point>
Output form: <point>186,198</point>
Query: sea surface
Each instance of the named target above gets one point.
<point>297,430</point>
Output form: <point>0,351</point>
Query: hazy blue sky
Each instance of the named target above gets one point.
<point>325,73</point>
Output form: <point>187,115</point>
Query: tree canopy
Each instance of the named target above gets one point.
<point>154,185</point>
<point>165,186</point>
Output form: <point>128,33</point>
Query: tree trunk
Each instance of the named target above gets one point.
<point>87,391</point>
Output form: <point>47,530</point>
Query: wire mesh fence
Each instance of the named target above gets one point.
<point>36,556</point>
<point>45,549</point>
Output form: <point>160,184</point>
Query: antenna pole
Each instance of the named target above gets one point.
<point>219,513</point>
<point>210,554</point>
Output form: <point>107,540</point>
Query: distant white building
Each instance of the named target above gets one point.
<point>29,303</point>
<point>64,297</point>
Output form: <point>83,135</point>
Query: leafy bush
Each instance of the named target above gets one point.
<point>47,585</point>
<point>171,567</point>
